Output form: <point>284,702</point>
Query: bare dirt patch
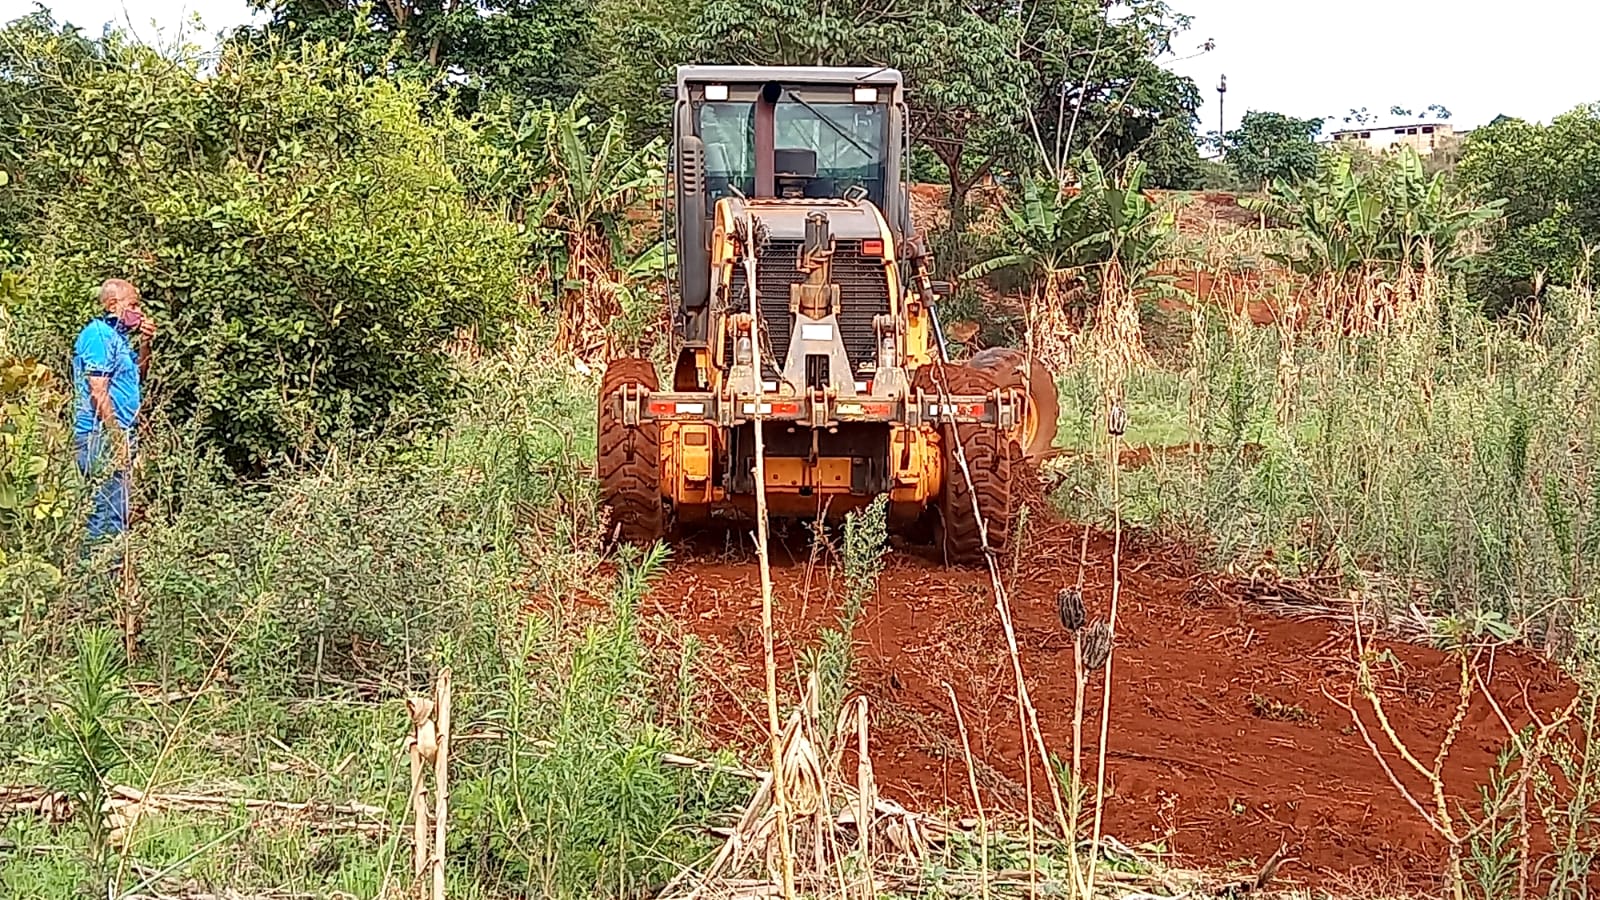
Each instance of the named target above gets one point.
<point>1222,744</point>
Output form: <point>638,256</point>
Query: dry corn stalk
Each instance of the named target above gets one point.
<point>23,799</point>
<point>1117,336</point>
<point>422,747</point>
<point>428,747</point>
<point>121,814</point>
<point>1052,336</point>
<point>124,806</point>
<point>886,834</point>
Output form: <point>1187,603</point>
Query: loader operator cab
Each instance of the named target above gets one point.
<point>782,132</point>
<point>821,149</point>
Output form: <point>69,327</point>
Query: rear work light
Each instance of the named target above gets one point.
<point>780,408</point>
<point>872,248</point>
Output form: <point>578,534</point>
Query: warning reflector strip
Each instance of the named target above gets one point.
<point>955,409</point>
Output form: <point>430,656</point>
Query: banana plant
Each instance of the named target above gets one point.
<point>1140,232</point>
<point>1427,214</point>
<point>639,284</point>
<point>1346,221</point>
<point>596,176</point>
<point>1051,230</point>
<point>1073,232</point>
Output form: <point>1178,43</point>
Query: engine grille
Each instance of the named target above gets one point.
<point>863,294</point>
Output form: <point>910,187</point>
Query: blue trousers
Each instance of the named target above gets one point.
<point>109,515</point>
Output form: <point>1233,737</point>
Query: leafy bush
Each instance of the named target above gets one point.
<point>37,482</point>
<point>378,563</point>
<point>1547,174</point>
<point>294,227</point>
<point>293,615</point>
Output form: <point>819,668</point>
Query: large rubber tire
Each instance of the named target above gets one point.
<point>1007,364</point>
<point>989,454</point>
<point>629,459</point>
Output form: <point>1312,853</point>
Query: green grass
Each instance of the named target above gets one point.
<point>1158,410</point>
<point>290,618</point>
<point>1449,455</point>
<point>284,622</point>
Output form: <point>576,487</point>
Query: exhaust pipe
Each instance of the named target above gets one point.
<point>766,140</point>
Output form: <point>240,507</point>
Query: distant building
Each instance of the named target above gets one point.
<point>1423,137</point>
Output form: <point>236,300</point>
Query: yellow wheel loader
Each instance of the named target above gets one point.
<point>804,298</point>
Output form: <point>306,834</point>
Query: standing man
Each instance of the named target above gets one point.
<point>106,375</point>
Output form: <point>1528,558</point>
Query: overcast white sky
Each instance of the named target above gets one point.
<point>1534,59</point>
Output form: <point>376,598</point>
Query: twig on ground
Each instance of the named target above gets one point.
<point>181,802</point>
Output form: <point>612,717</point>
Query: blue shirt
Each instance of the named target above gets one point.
<point>103,350</point>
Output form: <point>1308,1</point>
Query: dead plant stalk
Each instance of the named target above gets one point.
<point>1079,678</point>
<point>1003,607</point>
<point>1114,431</point>
<point>977,801</point>
<point>780,796</point>
<point>441,782</point>
<point>1439,819</point>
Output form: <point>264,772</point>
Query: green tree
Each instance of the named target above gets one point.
<point>1269,146</point>
<point>966,107</point>
<point>294,226</point>
<point>26,116</point>
<point>533,50</point>
<point>1549,176</point>
<point>1099,88</point>
<point>988,89</point>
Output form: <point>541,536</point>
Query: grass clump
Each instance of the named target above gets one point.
<point>1445,461</point>
<point>283,622</point>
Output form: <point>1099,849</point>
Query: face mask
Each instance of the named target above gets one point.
<point>129,319</point>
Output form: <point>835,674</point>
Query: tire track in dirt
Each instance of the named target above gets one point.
<point>1221,745</point>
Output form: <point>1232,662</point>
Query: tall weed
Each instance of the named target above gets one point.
<point>291,616</point>
<point>1447,461</point>
<point>86,729</point>
<point>865,539</point>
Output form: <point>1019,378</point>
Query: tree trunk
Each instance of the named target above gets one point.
<point>956,203</point>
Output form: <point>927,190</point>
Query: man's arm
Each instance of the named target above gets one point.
<point>106,412</point>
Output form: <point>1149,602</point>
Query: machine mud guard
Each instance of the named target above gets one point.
<point>999,408</point>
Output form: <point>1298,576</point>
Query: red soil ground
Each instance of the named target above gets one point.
<point>1222,744</point>
<point>1234,292</point>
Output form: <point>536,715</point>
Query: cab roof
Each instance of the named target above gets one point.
<point>789,74</point>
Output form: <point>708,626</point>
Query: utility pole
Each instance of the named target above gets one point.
<point>1222,94</point>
